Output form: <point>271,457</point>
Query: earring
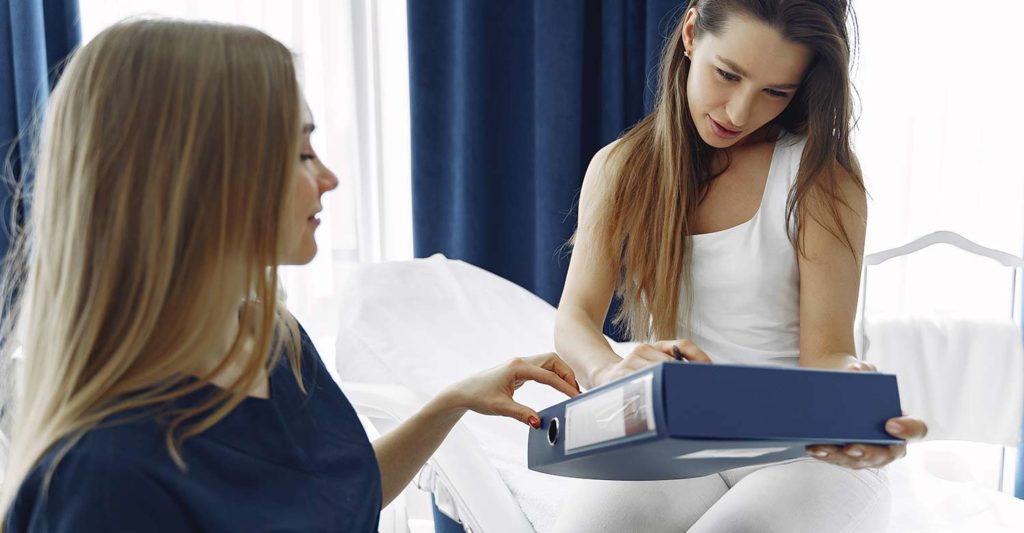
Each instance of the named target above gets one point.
<point>687,54</point>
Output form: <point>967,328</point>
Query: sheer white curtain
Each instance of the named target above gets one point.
<point>939,143</point>
<point>352,58</point>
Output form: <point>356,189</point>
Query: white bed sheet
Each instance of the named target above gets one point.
<point>423,324</point>
<point>924,502</point>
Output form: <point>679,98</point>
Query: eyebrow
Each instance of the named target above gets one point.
<point>308,128</point>
<point>739,70</point>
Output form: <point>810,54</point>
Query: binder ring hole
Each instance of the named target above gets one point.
<point>553,431</point>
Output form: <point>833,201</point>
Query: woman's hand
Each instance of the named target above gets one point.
<point>490,392</point>
<point>646,355</point>
<point>403,451</point>
<point>859,456</point>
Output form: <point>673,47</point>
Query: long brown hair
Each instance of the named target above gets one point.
<point>661,167</point>
<point>164,169</point>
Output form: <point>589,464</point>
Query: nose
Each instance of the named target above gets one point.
<point>326,179</point>
<point>739,108</point>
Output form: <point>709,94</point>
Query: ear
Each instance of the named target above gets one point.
<point>689,26</point>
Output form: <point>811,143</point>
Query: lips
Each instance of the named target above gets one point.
<point>723,131</point>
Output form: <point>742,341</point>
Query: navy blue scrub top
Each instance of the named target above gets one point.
<point>288,463</point>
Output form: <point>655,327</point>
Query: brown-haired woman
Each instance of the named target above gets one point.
<point>731,223</point>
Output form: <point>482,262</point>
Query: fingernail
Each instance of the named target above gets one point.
<point>893,427</point>
<point>819,453</point>
<point>535,422</point>
<point>855,452</point>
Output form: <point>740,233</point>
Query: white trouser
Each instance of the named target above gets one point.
<point>789,497</point>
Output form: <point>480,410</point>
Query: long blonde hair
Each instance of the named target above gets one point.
<point>164,167</point>
<point>661,167</point>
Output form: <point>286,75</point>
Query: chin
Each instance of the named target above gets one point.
<point>307,257</point>
<point>301,256</point>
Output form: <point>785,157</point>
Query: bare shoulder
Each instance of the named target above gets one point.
<point>598,181</point>
<point>850,189</point>
<point>839,194</point>
<point>834,219</point>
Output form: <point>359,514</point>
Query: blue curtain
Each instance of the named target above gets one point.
<point>510,100</point>
<point>35,37</point>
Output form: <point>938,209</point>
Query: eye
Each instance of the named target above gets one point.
<point>776,94</point>
<point>306,157</point>
<point>728,76</point>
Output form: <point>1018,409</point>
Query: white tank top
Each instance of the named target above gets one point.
<point>746,283</point>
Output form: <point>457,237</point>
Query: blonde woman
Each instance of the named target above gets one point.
<point>164,387</point>
<point>731,223</point>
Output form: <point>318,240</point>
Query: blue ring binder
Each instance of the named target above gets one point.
<point>676,420</point>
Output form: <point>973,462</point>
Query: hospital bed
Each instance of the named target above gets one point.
<point>408,329</point>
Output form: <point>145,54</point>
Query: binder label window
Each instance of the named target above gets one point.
<point>622,411</point>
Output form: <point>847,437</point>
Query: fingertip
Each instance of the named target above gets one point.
<point>817,453</point>
<point>534,421</point>
<point>854,451</point>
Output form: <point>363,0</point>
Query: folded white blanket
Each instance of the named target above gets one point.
<point>965,377</point>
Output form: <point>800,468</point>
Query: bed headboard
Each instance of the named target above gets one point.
<point>954,239</point>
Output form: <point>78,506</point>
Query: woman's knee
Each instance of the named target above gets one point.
<point>799,497</point>
<point>655,506</point>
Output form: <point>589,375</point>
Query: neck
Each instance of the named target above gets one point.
<point>235,367</point>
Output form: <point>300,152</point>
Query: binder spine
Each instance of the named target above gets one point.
<point>625,411</point>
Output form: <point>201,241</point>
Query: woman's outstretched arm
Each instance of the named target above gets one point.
<point>402,452</point>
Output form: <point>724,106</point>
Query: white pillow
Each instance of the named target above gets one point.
<point>428,323</point>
